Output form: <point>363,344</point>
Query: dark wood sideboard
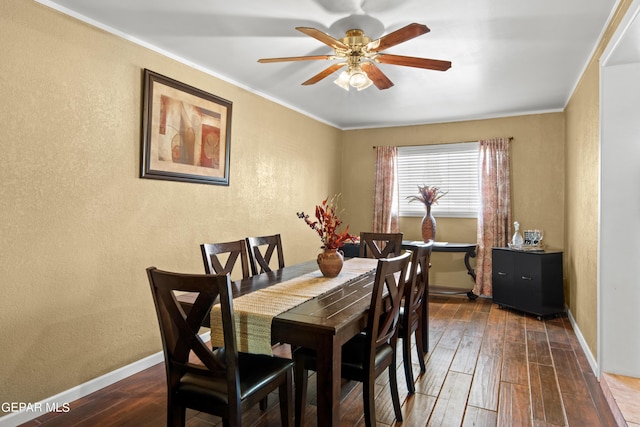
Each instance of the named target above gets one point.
<point>529,281</point>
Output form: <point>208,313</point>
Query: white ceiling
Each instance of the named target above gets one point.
<point>508,57</point>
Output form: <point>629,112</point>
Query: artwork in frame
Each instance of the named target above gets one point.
<point>186,132</point>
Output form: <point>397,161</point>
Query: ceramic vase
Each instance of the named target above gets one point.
<point>428,226</point>
<point>330,262</point>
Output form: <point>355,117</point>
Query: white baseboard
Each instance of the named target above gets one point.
<point>583,343</point>
<point>64,400</point>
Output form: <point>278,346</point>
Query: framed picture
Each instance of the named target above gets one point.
<point>186,132</point>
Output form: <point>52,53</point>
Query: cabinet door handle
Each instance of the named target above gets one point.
<point>500,273</point>
<point>526,278</point>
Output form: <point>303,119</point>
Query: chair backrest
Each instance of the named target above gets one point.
<point>380,245</point>
<point>179,331</point>
<point>212,261</point>
<point>416,289</point>
<point>386,297</point>
<point>261,249</point>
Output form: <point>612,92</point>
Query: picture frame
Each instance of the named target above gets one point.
<point>186,132</point>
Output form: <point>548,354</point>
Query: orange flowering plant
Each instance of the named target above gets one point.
<point>327,223</point>
<point>428,195</point>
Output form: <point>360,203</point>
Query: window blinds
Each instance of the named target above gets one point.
<point>451,167</point>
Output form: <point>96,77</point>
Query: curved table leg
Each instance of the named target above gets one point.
<point>470,271</point>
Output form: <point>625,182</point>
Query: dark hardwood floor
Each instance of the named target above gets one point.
<point>487,366</point>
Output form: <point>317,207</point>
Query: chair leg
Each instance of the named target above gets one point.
<point>285,394</point>
<point>264,403</point>
<point>301,377</point>
<point>420,350</point>
<point>406,360</point>
<point>368,395</point>
<point>176,415</point>
<point>393,383</point>
<point>424,323</point>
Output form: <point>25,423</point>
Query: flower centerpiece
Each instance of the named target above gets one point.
<point>326,225</point>
<point>428,195</point>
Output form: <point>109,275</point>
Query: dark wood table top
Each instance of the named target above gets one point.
<point>339,312</point>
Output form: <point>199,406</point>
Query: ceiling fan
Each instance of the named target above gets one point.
<point>360,54</point>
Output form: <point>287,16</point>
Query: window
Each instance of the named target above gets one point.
<point>451,167</point>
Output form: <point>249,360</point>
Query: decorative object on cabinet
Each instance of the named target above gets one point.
<point>533,237</point>
<point>516,240</point>
<point>528,281</point>
<point>186,132</point>
<point>532,240</point>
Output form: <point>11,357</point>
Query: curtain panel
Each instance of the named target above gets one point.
<point>385,204</point>
<point>494,217</point>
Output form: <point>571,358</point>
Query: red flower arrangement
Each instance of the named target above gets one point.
<point>327,225</point>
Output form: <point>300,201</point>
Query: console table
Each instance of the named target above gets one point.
<point>469,250</point>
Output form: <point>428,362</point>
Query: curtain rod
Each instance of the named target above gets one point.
<point>456,142</point>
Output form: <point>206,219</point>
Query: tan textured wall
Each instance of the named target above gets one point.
<point>78,225</point>
<point>537,172</point>
<point>582,205</point>
<point>582,187</point>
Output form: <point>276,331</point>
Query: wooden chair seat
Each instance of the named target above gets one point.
<point>255,370</point>
<point>222,382</point>
<point>354,354</point>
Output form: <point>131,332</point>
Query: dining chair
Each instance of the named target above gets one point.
<point>261,250</point>
<point>371,352</point>
<point>211,256</point>
<point>223,382</point>
<point>380,245</point>
<point>414,313</point>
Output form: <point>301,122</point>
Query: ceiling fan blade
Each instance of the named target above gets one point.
<point>376,75</point>
<point>295,58</point>
<point>323,37</point>
<point>411,61</point>
<point>324,73</point>
<point>402,35</point>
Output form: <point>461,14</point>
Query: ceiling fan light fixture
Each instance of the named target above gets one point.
<point>343,80</point>
<point>360,54</point>
<point>359,79</point>
<point>353,77</point>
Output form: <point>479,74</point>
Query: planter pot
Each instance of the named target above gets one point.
<point>428,226</point>
<point>330,262</point>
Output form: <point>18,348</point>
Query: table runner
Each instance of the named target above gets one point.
<point>254,312</point>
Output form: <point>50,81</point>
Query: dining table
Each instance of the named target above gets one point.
<point>322,323</point>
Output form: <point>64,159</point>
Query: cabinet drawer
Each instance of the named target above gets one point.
<point>503,277</point>
<point>527,268</point>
